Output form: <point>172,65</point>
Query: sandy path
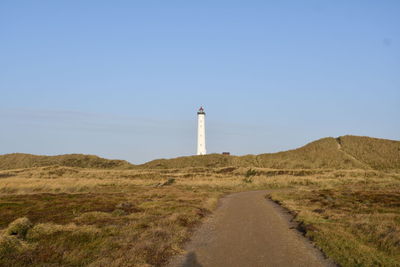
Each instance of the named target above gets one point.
<point>248,230</point>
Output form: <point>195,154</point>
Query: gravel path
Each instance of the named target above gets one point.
<point>249,230</point>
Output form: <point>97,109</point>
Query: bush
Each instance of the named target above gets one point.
<point>19,227</point>
<point>250,173</point>
<point>169,181</point>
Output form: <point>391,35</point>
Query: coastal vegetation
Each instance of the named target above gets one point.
<point>79,210</point>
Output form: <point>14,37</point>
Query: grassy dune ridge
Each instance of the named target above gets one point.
<point>377,153</point>
<point>20,160</point>
<point>346,152</point>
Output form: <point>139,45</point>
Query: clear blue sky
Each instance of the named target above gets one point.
<point>124,79</point>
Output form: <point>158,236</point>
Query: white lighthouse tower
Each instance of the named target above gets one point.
<point>201,132</point>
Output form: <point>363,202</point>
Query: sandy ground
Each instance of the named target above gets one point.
<point>249,230</point>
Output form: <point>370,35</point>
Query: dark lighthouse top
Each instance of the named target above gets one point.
<point>201,111</point>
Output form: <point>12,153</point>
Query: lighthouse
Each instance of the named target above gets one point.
<point>201,132</point>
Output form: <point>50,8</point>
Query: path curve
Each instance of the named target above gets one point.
<point>249,230</point>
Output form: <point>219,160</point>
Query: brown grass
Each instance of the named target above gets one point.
<point>348,152</point>
<point>380,154</point>
<point>20,160</point>
<point>116,226</point>
<point>346,201</point>
<point>356,223</point>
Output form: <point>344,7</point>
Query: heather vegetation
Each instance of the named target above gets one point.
<point>124,215</point>
<point>105,221</point>
<point>354,221</point>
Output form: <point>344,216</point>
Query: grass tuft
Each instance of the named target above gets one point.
<point>19,227</point>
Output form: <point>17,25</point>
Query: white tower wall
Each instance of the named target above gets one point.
<point>201,132</point>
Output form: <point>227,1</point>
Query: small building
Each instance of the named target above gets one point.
<point>226,153</point>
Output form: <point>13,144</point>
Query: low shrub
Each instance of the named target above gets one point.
<point>19,227</point>
<point>250,173</point>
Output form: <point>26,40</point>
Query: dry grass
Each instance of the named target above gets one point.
<point>346,152</point>
<point>82,210</point>
<point>380,154</point>
<point>98,217</point>
<point>20,160</point>
<point>356,223</point>
<point>103,217</point>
